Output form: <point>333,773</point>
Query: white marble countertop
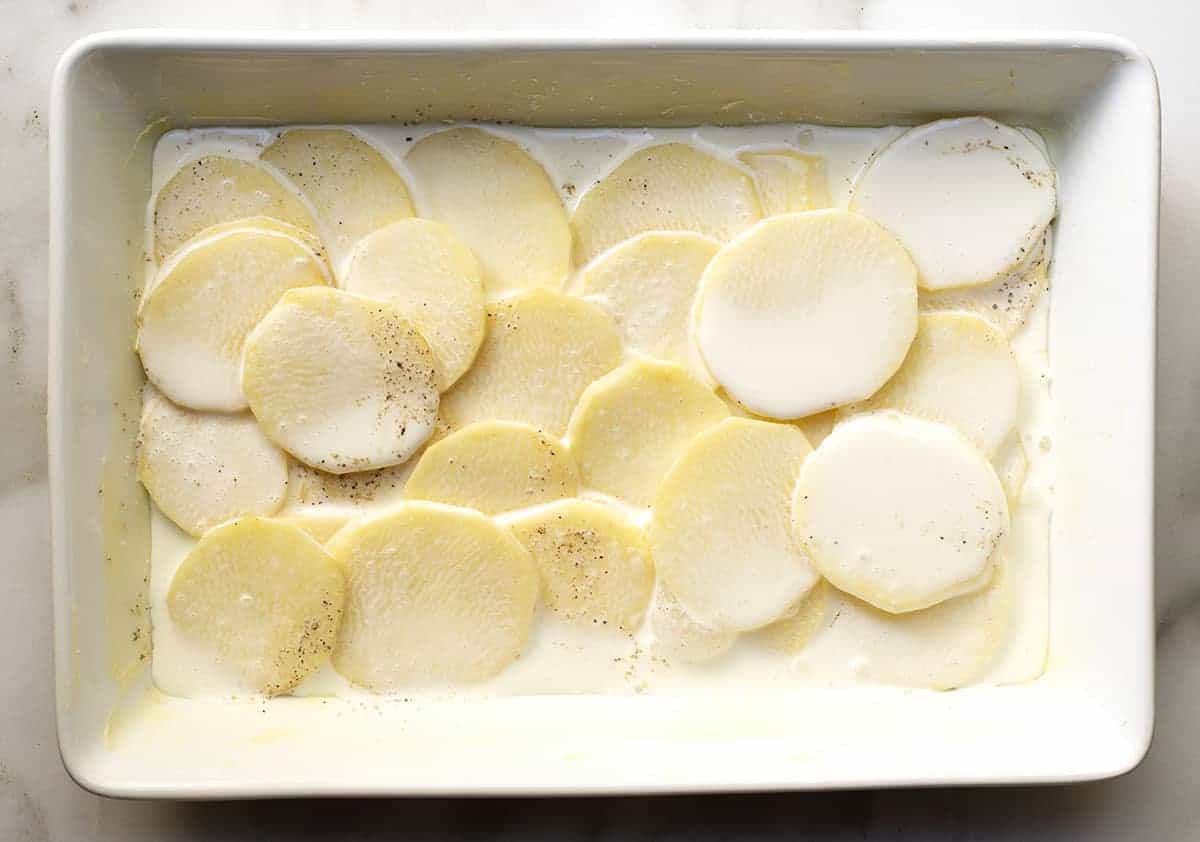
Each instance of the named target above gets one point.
<point>1160,800</point>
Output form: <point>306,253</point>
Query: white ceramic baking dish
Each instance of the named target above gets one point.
<point>1094,99</point>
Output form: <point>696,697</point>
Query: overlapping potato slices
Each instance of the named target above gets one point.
<point>215,189</point>
<point>352,188</point>
<point>669,187</point>
<point>500,201</point>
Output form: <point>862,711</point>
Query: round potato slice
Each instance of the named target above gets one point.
<point>679,638</point>
<point>351,186</point>
<point>321,526</point>
<point>265,597</point>
<point>215,189</point>
<point>502,203</point>
<point>1005,302</point>
<point>204,468</point>
<point>787,181</point>
<point>670,187</point>
<point>968,197</point>
<point>264,224</point>
<point>541,351</point>
<point>632,424</point>
<point>193,324</point>
<point>791,634</point>
<point>494,466</point>
<point>960,371</point>
<point>900,512</point>
<point>595,565</point>
<point>649,285</point>
<point>341,382</point>
<point>425,270</point>
<point>721,530</point>
<point>943,647</point>
<point>806,312</point>
<point>436,595</point>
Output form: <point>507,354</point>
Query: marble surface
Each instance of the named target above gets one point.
<point>37,800</point>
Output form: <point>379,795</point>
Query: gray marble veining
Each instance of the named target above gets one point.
<point>38,801</point>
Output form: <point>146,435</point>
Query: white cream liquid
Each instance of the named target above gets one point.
<point>561,658</point>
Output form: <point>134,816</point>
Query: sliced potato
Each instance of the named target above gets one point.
<point>425,270</point>
<point>633,423</point>
<point>204,468</point>
<point>649,285</point>
<point>265,224</point>
<point>541,351</point>
<point>720,531</point>
<point>265,597</point>
<point>494,466</point>
<point>193,324</point>
<point>943,647</point>
<point>679,638</point>
<point>787,181</point>
<point>595,565</point>
<point>341,382</point>
<point>500,201</point>
<point>967,196</point>
<point>900,512</point>
<point>351,186</point>
<point>960,371</point>
<point>670,187</point>
<point>792,633</point>
<point>435,595</point>
<point>806,312</point>
<point>215,189</point>
<point>1005,302</point>
<point>321,526</point>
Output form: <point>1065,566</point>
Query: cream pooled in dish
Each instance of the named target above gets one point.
<point>482,410</point>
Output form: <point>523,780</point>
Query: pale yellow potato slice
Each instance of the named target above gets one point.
<point>792,633</point>
<point>264,597</point>
<point>427,272</point>
<point>321,526</point>
<point>341,382</point>
<point>595,565</point>
<point>679,638</point>
<point>500,201</point>
<point>541,351</point>
<point>435,595</point>
<point>633,423</point>
<point>900,512</point>
<point>265,224</point>
<point>1005,302</point>
<point>968,197</point>
<point>649,285</point>
<point>787,181</point>
<point>721,532</point>
<point>943,647</point>
<point>193,324</point>
<point>353,189</point>
<point>204,468</point>
<point>215,189</point>
<point>669,187</point>
<point>806,312</point>
<point>494,466</point>
<point>960,371</point>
